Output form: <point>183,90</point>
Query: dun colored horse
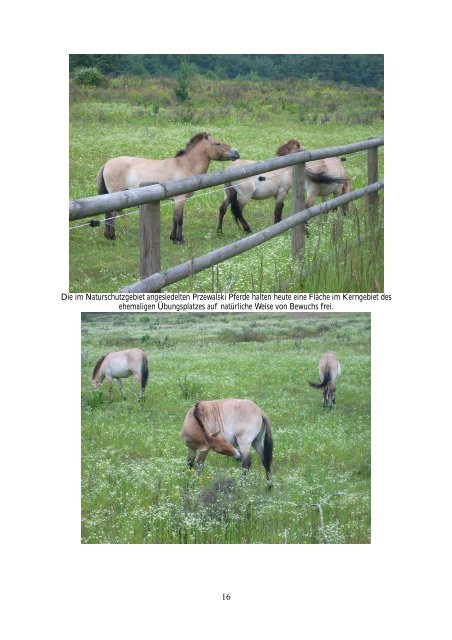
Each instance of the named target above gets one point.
<point>323,177</point>
<point>229,427</point>
<point>273,184</point>
<point>122,364</point>
<point>329,372</point>
<point>125,172</point>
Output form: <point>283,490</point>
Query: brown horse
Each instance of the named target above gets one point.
<point>121,364</point>
<point>322,178</point>
<point>229,427</point>
<point>125,172</point>
<point>273,184</point>
<point>329,372</point>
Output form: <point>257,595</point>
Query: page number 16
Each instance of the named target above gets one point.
<point>226,596</point>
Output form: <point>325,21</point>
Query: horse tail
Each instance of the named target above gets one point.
<point>97,367</point>
<point>323,177</point>
<point>101,186</point>
<point>323,383</point>
<point>144,372</point>
<point>268,444</point>
<point>235,207</point>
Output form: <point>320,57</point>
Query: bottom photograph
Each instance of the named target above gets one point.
<point>234,428</point>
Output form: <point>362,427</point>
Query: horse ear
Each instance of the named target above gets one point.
<point>214,435</point>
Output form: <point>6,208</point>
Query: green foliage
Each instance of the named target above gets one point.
<point>182,87</point>
<point>352,69</point>
<point>136,487</point>
<point>88,76</point>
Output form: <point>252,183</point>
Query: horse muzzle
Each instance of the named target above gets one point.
<point>233,154</point>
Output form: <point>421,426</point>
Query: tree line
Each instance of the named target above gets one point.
<point>352,69</point>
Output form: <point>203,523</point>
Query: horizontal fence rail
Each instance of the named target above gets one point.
<point>157,281</point>
<point>94,205</point>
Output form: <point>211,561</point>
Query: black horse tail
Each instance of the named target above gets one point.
<point>144,372</point>
<point>235,207</point>
<point>323,177</point>
<point>320,385</point>
<point>101,186</point>
<point>268,445</point>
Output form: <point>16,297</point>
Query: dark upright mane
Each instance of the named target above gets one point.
<point>97,367</point>
<point>291,146</point>
<point>197,416</point>
<point>191,143</point>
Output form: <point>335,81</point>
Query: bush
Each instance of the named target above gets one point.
<point>89,76</point>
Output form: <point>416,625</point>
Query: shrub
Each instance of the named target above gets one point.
<point>88,76</point>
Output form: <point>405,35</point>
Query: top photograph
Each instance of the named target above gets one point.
<point>226,173</point>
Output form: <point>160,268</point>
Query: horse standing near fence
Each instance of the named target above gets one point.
<point>273,184</point>
<point>229,427</point>
<point>322,177</point>
<point>121,364</point>
<point>126,172</point>
<point>329,372</point>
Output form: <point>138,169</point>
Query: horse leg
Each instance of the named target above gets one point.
<point>178,221</point>
<point>237,205</point>
<point>345,189</point>
<point>201,458</point>
<point>110,387</point>
<point>138,377</point>
<point>223,209</point>
<point>246,458</point>
<point>191,457</point>
<point>121,387</point>
<point>278,211</point>
<point>109,231</point>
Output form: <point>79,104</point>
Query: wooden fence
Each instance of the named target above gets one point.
<point>149,197</point>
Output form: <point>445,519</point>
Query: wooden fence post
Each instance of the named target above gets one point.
<point>150,237</point>
<point>298,204</point>
<point>372,176</point>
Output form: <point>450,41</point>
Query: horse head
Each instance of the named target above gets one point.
<point>291,146</point>
<point>217,150</point>
<point>221,445</point>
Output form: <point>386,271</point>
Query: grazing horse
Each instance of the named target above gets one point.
<point>329,372</point>
<point>322,178</point>
<point>125,172</point>
<point>229,427</point>
<point>121,364</point>
<point>273,184</point>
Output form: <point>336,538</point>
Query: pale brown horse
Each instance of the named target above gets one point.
<point>125,172</point>
<point>273,184</point>
<point>322,178</point>
<point>329,372</point>
<point>121,364</point>
<point>229,427</point>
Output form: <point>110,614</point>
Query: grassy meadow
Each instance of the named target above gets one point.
<point>136,487</point>
<point>142,117</point>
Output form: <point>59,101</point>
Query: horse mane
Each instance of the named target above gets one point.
<point>97,367</point>
<point>197,415</point>
<point>191,143</point>
<point>291,146</point>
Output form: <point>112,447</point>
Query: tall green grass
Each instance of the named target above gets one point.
<point>138,117</point>
<point>136,487</point>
